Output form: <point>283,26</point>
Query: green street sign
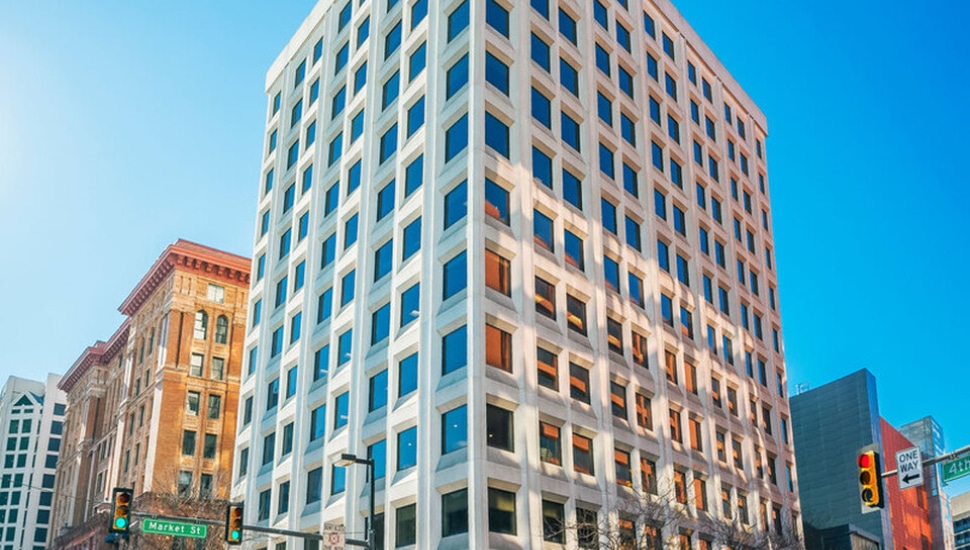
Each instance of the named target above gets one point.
<point>956,468</point>
<point>174,528</point>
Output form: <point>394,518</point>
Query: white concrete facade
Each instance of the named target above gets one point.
<point>31,426</point>
<point>442,469</point>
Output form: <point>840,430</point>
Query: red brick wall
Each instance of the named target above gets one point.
<point>910,520</point>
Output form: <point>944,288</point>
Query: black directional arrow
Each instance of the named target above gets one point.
<point>910,477</point>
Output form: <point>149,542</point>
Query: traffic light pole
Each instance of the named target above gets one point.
<point>932,461</point>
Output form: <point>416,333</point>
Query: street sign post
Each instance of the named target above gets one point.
<point>334,537</point>
<point>956,468</point>
<point>174,528</point>
<point>909,463</point>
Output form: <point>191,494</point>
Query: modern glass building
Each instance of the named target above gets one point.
<point>31,430</point>
<point>520,254</point>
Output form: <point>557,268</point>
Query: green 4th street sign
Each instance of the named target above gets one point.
<point>956,468</point>
<point>174,528</point>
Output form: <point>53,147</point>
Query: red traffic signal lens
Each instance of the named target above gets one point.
<point>124,498</point>
<point>865,460</point>
<point>236,513</point>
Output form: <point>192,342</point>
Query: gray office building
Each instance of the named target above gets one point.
<point>830,424</point>
<point>960,506</point>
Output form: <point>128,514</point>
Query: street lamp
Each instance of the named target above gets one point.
<point>347,459</point>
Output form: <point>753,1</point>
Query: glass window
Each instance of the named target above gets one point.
<point>496,72</point>
<point>497,17</point>
<point>576,314</point>
<point>454,352</point>
<point>498,348</point>
<point>542,229</point>
<point>496,201</point>
<point>412,239</point>
<point>458,21</point>
<point>497,273</point>
<point>454,429</point>
<point>377,394</point>
<point>583,454</point>
<point>541,108</point>
<point>501,511</point>
<point>407,448</point>
<point>454,513</point>
<point>456,138</point>
<point>456,77</point>
<point>540,52</point>
<point>550,444</point>
<point>542,167</point>
<point>545,298</point>
<point>416,116</point>
<point>410,304</point>
<point>455,275</point>
<point>499,426</point>
<point>496,134</point>
<point>407,380</point>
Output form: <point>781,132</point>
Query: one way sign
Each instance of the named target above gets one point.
<point>909,468</point>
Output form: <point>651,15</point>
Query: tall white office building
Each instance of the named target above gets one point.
<point>31,426</point>
<point>520,254</point>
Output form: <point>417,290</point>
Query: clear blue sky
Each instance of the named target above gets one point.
<point>125,125</point>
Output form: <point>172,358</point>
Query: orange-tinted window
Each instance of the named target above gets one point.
<point>497,273</point>
<point>498,348</point>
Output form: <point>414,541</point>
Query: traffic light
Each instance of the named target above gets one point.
<point>234,524</point>
<point>870,484</point>
<point>121,510</point>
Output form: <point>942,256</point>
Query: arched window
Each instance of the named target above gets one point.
<point>201,324</point>
<point>222,329</point>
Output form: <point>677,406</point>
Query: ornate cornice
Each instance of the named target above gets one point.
<point>94,354</point>
<point>188,256</point>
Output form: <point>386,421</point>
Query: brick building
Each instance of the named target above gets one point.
<point>154,408</point>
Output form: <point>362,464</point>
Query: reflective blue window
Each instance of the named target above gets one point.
<point>341,410</point>
<point>340,60</point>
<point>412,239</point>
<point>417,61</point>
<point>569,77</point>
<point>663,256</point>
<point>496,201</point>
<point>601,15</point>
<point>456,138</point>
<point>603,60</point>
<point>414,174</point>
<point>393,40</point>
<point>416,116</point>
<point>630,182</point>
<point>344,346</point>
<point>454,430</point>
<point>542,231</point>
<point>609,215</point>
<point>542,167</point>
<point>383,260</point>
<point>626,82</point>
<point>606,161</point>
<point>567,26</point>
<point>336,149</point>
<point>573,247</point>
<point>391,88</point>
<point>612,272</point>
<point>407,448</point>
<point>410,304</point>
<point>380,325</point>
<point>657,155</point>
<point>347,287</point>
<point>328,250</point>
<point>652,67</point>
<point>324,305</point>
<point>572,189</point>
<point>660,204</point>
<point>540,52</point>
<point>388,143</point>
<point>407,378</point>
<point>633,233</point>
<point>377,391</point>
<point>454,350</point>
<point>667,309</point>
<point>670,85</point>
<point>339,100</point>
<point>458,21</point>
<point>331,199</point>
<point>418,12</point>
<point>307,178</point>
<point>570,131</point>
<point>496,134</point>
<point>456,204</point>
<point>350,231</point>
<point>541,7</point>
<point>353,177</point>
<point>457,77</point>
<point>541,108</point>
<point>454,275</point>
<point>385,201</point>
<point>497,17</point>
